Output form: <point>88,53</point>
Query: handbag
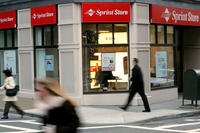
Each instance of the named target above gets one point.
<point>12,92</point>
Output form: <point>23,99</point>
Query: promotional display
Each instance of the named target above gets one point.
<point>105,12</point>
<point>49,62</point>
<point>175,16</point>
<point>161,64</point>
<point>8,19</point>
<point>44,15</point>
<point>108,61</point>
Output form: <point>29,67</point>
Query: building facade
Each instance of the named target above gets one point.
<point>89,46</point>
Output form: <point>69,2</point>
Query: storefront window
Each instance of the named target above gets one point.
<point>162,57</point>
<point>47,63</point>
<point>89,34</point>
<point>120,34</point>
<point>162,67</point>
<point>170,35</point>
<point>105,67</point>
<point>38,36</point>
<point>46,52</point>
<point>152,34</point>
<point>47,35</point>
<point>9,38</point>
<point>55,35</point>
<point>15,38</point>
<point>2,39</point>
<point>105,34</point>
<point>160,34</point>
<point>8,53</point>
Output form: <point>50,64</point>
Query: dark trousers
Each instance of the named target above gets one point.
<point>9,104</point>
<point>132,93</point>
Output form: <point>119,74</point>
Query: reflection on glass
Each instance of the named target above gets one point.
<point>152,34</point>
<point>55,35</point>
<point>170,35</point>
<point>120,33</point>
<point>9,38</point>
<point>105,34</point>
<point>162,67</point>
<point>160,34</point>
<point>2,41</point>
<point>9,57</point>
<point>89,34</point>
<point>15,37</point>
<point>47,63</point>
<point>38,36</point>
<point>47,35</point>
<point>105,69</point>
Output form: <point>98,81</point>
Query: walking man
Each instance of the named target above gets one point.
<point>137,86</point>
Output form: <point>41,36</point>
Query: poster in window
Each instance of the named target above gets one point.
<point>161,64</point>
<point>108,61</point>
<point>49,62</point>
<point>10,60</point>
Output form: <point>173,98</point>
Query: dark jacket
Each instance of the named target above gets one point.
<point>137,78</point>
<point>64,117</point>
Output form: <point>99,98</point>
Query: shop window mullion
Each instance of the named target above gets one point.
<point>113,37</point>
<point>97,32</point>
<point>165,35</point>
<point>156,34</point>
<point>34,32</point>
<point>174,38</point>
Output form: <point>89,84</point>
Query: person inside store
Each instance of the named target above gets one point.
<point>137,86</point>
<point>59,110</point>
<point>103,77</point>
<point>10,101</point>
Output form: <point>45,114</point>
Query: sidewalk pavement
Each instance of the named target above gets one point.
<point>114,115</point>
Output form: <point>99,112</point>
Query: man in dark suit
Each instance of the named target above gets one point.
<point>137,86</point>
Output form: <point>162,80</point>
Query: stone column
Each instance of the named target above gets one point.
<point>25,54</point>
<point>139,40</point>
<point>70,49</point>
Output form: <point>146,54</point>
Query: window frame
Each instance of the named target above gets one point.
<point>13,45</point>
<point>97,31</point>
<point>96,45</point>
<point>51,46</point>
<point>173,45</point>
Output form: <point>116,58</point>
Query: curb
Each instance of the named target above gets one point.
<point>168,117</point>
<point>187,114</point>
<point>151,119</point>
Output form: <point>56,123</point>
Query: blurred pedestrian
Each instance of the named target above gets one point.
<point>10,101</point>
<point>137,86</point>
<point>59,109</point>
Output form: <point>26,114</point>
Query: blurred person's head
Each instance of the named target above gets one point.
<point>135,61</point>
<point>50,87</point>
<point>7,72</point>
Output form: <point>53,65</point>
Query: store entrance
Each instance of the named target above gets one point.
<point>187,51</point>
<point>179,58</point>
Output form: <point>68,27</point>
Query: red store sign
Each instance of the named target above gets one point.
<point>44,15</point>
<point>176,16</point>
<point>105,12</point>
<point>8,19</point>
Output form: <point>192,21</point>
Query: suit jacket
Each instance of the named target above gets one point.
<point>137,78</point>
